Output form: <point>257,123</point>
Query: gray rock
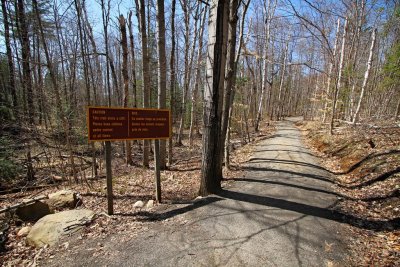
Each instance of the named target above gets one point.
<point>63,198</point>
<point>49,229</point>
<point>138,204</point>
<point>24,231</point>
<point>33,211</point>
<point>150,204</point>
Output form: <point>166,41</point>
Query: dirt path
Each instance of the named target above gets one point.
<point>276,215</point>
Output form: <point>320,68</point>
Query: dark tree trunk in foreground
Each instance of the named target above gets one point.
<point>213,93</point>
<point>162,71</point>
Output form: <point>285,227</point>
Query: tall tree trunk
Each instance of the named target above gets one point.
<point>230,77</point>
<point>140,5</point>
<point>280,95</point>
<point>25,53</point>
<point>124,44</point>
<point>338,83</point>
<point>188,65</point>
<point>215,74</point>
<point>133,60</point>
<point>98,80</point>
<point>197,79</point>
<point>331,66</point>
<point>10,62</point>
<point>366,76</point>
<point>229,82</point>
<point>172,81</point>
<point>268,12</point>
<point>78,8</point>
<point>185,89</point>
<point>105,13</point>
<point>162,72</point>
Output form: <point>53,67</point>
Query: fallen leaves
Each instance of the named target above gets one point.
<point>373,201</point>
<point>180,183</point>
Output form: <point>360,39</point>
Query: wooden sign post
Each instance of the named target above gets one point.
<point>119,124</point>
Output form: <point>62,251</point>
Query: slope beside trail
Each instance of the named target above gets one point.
<point>277,214</point>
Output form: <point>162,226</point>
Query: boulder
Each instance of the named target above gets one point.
<point>138,204</point>
<point>150,204</point>
<point>49,229</point>
<point>62,199</point>
<point>33,211</point>
<point>24,231</point>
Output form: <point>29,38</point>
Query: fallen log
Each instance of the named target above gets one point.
<point>30,201</point>
<point>27,188</point>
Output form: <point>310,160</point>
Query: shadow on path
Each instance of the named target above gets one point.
<point>284,184</point>
<point>307,210</point>
<point>310,175</point>
<point>325,213</point>
<point>291,162</point>
<point>160,216</point>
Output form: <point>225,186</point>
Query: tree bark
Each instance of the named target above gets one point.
<point>338,83</point>
<point>366,76</point>
<point>162,72</point>
<point>172,82</point>
<point>10,62</point>
<point>197,79</point>
<point>280,95</point>
<point>331,66</point>
<point>140,5</point>
<point>133,60</point>
<point>125,76</point>
<point>215,74</point>
<point>25,53</point>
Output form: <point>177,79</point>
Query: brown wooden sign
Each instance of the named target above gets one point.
<point>117,124</point>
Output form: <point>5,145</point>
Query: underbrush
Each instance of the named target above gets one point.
<point>131,183</point>
<point>365,161</point>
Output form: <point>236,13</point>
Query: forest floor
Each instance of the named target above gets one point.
<point>365,163</point>
<point>275,213</point>
<point>180,184</point>
<point>359,171</point>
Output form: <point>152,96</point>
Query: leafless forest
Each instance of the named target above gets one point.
<point>227,70</point>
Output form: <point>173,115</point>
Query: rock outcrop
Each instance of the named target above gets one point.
<point>33,211</point>
<point>62,199</point>
<point>49,229</point>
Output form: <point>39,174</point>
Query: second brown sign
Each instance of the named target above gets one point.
<point>117,124</point>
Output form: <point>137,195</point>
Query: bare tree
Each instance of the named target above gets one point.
<point>10,62</point>
<point>25,53</point>
<point>133,60</point>
<point>197,79</point>
<point>162,71</point>
<point>124,44</point>
<point>172,80</point>
<point>140,6</point>
<point>366,76</point>
<point>339,79</point>
<point>215,68</point>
